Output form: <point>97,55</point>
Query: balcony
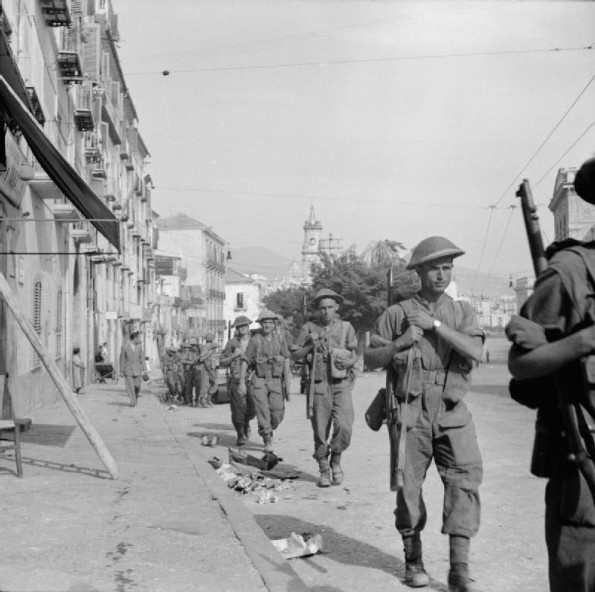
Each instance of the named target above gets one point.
<point>216,295</point>
<point>83,114</point>
<point>124,150</point>
<point>92,148</point>
<point>65,212</point>
<point>69,65</point>
<point>56,12</point>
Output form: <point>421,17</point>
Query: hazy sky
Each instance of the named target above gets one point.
<point>394,119</point>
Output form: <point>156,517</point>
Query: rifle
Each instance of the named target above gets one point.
<point>571,413</point>
<point>311,385</point>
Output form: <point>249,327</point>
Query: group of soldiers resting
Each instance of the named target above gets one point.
<point>190,372</point>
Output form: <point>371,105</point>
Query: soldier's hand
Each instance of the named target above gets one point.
<point>588,337</point>
<point>411,336</point>
<point>242,389</point>
<point>279,358</point>
<point>420,319</point>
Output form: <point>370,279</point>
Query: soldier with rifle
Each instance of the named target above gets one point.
<point>429,344</point>
<point>552,361</point>
<point>265,356</point>
<point>330,345</point>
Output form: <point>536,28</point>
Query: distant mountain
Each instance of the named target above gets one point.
<point>259,260</point>
<point>270,264</point>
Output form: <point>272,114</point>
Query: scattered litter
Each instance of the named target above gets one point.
<point>207,440</point>
<point>247,478</point>
<point>172,408</point>
<point>267,462</point>
<point>267,497</point>
<point>296,545</point>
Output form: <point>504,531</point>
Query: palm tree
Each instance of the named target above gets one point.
<point>384,253</point>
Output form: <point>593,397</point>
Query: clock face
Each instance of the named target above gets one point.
<point>312,241</point>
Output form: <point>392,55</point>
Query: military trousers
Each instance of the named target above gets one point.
<point>268,403</point>
<point>570,530</point>
<point>242,407</point>
<point>332,407</point>
<point>442,430</point>
<point>190,386</point>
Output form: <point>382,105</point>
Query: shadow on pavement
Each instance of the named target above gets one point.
<point>48,464</point>
<point>47,434</point>
<point>338,547</point>
<point>491,389</point>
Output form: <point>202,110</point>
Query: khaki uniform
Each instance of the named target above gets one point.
<point>439,423</point>
<point>267,388</point>
<point>332,401</point>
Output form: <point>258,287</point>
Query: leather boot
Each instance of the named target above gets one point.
<point>247,430</point>
<point>241,441</point>
<point>336,469</point>
<point>325,473</point>
<point>459,579</point>
<point>415,573</point>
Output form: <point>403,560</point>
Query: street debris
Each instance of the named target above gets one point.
<point>249,475</point>
<point>172,408</point>
<point>296,545</point>
<point>207,440</point>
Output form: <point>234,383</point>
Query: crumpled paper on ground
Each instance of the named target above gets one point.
<point>296,545</point>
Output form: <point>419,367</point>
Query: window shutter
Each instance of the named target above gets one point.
<point>92,52</point>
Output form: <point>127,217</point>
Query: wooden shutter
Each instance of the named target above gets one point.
<point>92,51</point>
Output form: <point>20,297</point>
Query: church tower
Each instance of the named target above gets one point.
<point>311,246</point>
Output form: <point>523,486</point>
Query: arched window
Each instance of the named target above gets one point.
<point>36,317</point>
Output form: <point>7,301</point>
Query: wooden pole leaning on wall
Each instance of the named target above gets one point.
<point>57,377</point>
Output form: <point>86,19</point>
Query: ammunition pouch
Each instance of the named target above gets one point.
<point>261,367</point>
<point>319,368</point>
<point>276,368</point>
<point>338,353</point>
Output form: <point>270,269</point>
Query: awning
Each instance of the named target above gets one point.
<point>62,173</point>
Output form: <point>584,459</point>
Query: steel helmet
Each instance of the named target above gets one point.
<point>241,320</point>
<point>432,248</point>
<point>326,293</point>
<point>209,337</point>
<point>266,315</point>
<point>584,181</point>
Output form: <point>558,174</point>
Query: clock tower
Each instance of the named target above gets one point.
<point>311,246</point>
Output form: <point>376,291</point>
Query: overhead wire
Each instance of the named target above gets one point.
<point>324,198</point>
<point>322,35</point>
<point>544,142</point>
<point>324,63</point>
<point>483,246</point>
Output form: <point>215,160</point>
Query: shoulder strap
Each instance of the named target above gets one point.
<point>343,334</point>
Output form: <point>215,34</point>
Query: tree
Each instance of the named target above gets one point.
<point>289,302</point>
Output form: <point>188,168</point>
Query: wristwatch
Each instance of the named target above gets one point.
<point>437,323</point>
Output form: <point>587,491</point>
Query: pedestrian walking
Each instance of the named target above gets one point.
<point>266,355</point>
<point>430,343</point>
<point>552,357</point>
<point>132,366</point>
<point>241,403</point>
<point>330,345</point>
<point>78,370</point>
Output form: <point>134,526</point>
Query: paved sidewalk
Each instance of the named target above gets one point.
<point>167,524</point>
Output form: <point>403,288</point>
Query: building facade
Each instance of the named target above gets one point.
<point>204,253</point>
<point>75,200</point>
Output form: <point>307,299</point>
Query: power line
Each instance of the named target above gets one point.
<point>485,239</point>
<point>322,35</point>
<point>550,134</point>
<point>512,208</point>
<point>325,63</point>
<point>565,153</point>
<point>324,198</point>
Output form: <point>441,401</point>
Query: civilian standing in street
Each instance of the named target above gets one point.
<point>330,345</point>
<point>434,341</point>
<point>132,366</point>
<point>241,403</point>
<point>554,343</point>
<point>78,370</point>
<point>265,356</point>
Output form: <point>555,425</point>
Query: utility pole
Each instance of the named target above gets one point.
<point>331,244</point>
